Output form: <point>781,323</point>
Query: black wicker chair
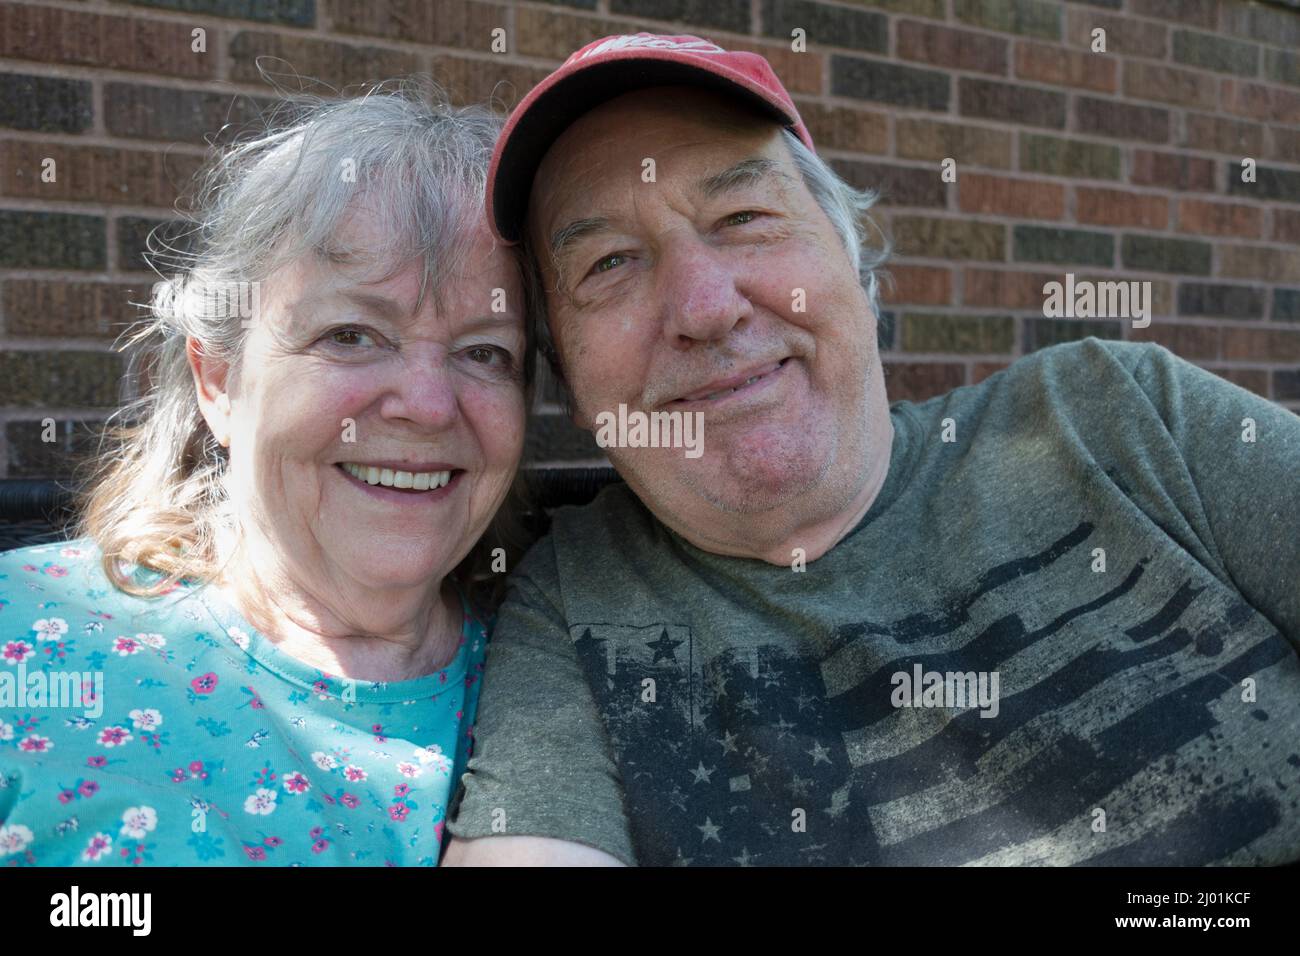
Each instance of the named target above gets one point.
<point>33,511</point>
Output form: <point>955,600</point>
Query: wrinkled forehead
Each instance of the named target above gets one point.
<point>667,136</point>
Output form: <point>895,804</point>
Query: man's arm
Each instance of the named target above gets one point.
<point>541,786</point>
<point>524,851</point>
<point>1243,456</point>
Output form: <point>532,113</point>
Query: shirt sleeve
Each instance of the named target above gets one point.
<point>1243,455</point>
<point>541,764</point>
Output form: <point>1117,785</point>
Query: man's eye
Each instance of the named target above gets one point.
<point>601,264</point>
<point>350,337</point>
<point>740,218</point>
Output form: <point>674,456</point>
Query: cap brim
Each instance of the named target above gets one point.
<point>559,106</point>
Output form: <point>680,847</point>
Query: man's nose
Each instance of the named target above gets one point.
<point>698,290</point>
<point>423,390</point>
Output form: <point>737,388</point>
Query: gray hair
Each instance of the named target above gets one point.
<point>157,497</point>
<point>845,206</point>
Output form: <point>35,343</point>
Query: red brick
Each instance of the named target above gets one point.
<point>982,370</point>
<point>919,285</point>
<point>1261,345</point>
<point>1286,225</point>
<point>953,49</point>
<point>462,24</point>
<point>1119,207</point>
<point>1187,341</point>
<point>1220,219</point>
<point>1252,379</point>
<point>1168,84</point>
<point>486,80</point>
<point>841,127</point>
<point>338,64</point>
<point>1003,196</point>
<point>1223,134</point>
<point>916,138</point>
<point>1172,171</point>
<point>1062,66</point>
<point>95,173</point>
<point>46,308</point>
<point>1125,36</point>
<point>107,41</point>
<point>1008,290</point>
<point>1259,262</point>
<point>917,381</point>
<point>1272,104</point>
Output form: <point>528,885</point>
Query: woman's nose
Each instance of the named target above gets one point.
<point>423,391</point>
<point>698,295</point>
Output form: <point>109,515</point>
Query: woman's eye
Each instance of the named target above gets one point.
<point>486,354</point>
<point>350,337</point>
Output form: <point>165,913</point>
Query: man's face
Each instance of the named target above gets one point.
<point>718,287</point>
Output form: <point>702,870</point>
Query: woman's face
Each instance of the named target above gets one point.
<point>372,438</point>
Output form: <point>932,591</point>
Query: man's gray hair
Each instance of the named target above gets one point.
<point>847,207</point>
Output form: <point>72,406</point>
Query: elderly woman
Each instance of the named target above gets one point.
<point>264,645</point>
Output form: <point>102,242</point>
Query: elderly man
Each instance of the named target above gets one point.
<point>1051,618</point>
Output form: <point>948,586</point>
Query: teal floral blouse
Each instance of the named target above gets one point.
<point>167,731</point>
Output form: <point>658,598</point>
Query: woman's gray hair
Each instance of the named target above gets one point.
<point>156,498</point>
<point>845,206</point>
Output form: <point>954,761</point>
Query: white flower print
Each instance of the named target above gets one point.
<point>35,743</point>
<point>156,641</point>
<point>409,770</point>
<point>441,764</point>
<point>239,637</point>
<point>261,803</point>
<point>137,821</point>
<point>114,737</point>
<point>50,629</point>
<point>6,731</point>
<point>97,848</point>
<point>429,754</point>
<point>324,760</point>
<point>147,719</point>
<point>14,839</point>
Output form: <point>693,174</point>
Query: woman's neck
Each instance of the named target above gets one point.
<point>349,631</point>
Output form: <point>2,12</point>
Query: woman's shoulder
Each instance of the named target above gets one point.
<point>56,566</point>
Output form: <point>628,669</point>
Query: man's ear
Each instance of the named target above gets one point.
<point>210,382</point>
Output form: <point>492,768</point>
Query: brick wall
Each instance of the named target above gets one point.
<point>1123,164</point>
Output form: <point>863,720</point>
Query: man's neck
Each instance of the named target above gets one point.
<point>804,531</point>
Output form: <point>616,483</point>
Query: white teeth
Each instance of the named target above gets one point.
<point>389,478</point>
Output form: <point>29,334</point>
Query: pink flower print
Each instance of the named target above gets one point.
<point>350,801</point>
<point>354,774</point>
<point>114,737</point>
<point>378,731</point>
<point>437,831</point>
<point>296,782</point>
<point>196,766</point>
<point>73,553</point>
<point>407,769</point>
<point>320,846</point>
<point>398,812</point>
<point>56,571</point>
<point>35,744</point>
<point>98,847</point>
<point>317,833</point>
<point>321,687</point>
<point>50,629</point>
<point>273,841</point>
<point>17,651</point>
<point>126,646</point>
<point>205,684</point>
<point>179,776</point>
<point>67,796</point>
<point>97,761</point>
<point>88,788</point>
<point>401,790</point>
<point>255,853</point>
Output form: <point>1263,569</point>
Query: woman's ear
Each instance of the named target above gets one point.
<point>210,381</point>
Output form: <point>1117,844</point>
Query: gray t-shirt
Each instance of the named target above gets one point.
<point>1099,536</point>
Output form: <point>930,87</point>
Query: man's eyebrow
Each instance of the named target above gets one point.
<point>744,173</point>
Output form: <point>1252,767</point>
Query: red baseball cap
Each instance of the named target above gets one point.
<point>602,70</point>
